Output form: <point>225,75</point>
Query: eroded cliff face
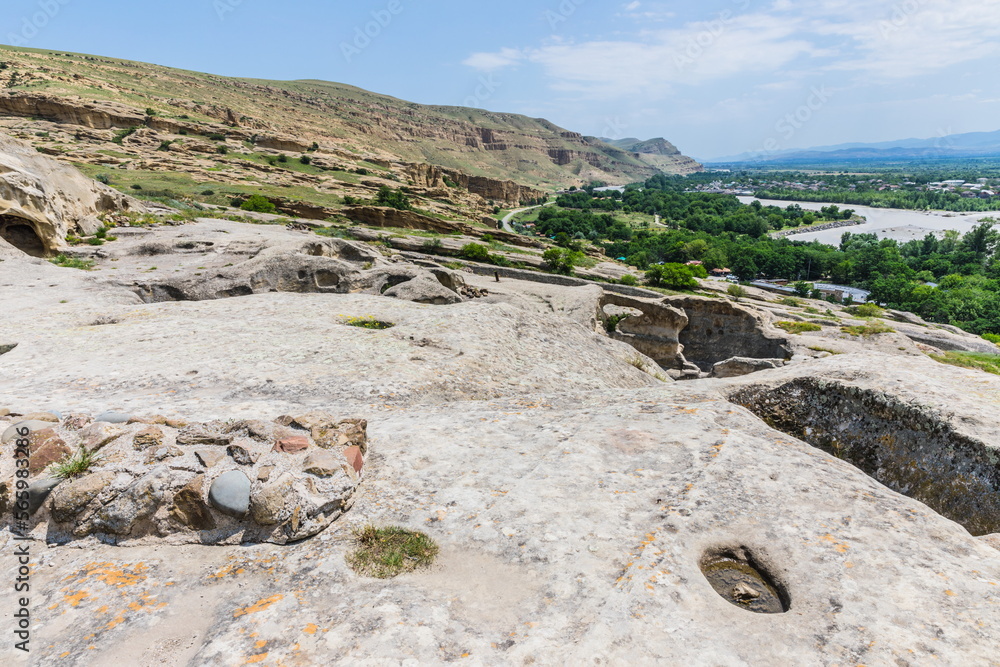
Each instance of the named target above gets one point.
<point>507,193</point>
<point>343,119</point>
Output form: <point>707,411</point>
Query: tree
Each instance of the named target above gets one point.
<point>672,276</point>
<point>803,289</point>
<point>562,260</point>
<point>744,267</point>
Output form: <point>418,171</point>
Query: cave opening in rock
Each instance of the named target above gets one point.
<point>908,448</point>
<point>20,233</point>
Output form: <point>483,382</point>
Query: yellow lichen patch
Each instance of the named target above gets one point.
<point>257,658</point>
<point>226,571</point>
<point>310,629</point>
<point>950,593</point>
<point>841,547</point>
<point>112,575</point>
<point>116,621</point>
<point>75,599</point>
<point>260,605</point>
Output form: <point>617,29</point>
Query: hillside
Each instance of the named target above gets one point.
<point>346,123</point>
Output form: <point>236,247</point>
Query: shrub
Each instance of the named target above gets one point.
<point>305,159</point>
<point>207,193</point>
<point>164,146</point>
<point>629,279</point>
<point>432,246</point>
<point>150,112</point>
<point>475,252</point>
<point>282,158</point>
<point>315,146</point>
<point>216,136</point>
<point>611,324</point>
<point>136,186</point>
<point>737,291</point>
<point>103,178</point>
<point>993,338</point>
<point>384,553</point>
<point>790,301</point>
<point>222,150</point>
<point>798,328</point>
<point>393,198</point>
<point>361,171</point>
<point>258,204</point>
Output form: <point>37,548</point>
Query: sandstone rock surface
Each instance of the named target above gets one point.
<point>574,495</point>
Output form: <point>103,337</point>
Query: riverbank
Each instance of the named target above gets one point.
<point>897,224</point>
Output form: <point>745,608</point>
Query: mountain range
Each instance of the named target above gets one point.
<point>966,145</point>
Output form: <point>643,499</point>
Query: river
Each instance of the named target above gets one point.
<point>885,222</point>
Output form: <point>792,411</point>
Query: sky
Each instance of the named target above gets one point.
<point>715,77</point>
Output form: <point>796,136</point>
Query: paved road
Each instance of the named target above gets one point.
<point>510,216</point>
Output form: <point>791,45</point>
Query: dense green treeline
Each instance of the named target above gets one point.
<point>954,280</point>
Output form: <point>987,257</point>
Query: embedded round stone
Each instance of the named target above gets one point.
<point>14,432</point>
<point>113,417</point>
<point>230,494</point>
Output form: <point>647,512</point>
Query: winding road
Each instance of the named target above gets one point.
<point>510,216</point>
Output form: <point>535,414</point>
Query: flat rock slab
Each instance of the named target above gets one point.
<point>577,539</point>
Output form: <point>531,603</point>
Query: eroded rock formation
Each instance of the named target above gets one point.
<point>42,200</point>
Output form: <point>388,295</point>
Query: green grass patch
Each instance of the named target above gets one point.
<point>866,310</point>
<point>368,323</point>
<point>384,553</point>
<point>989,363</point>
<point>73,262</point>
<point>74,465</point>
<point>868,330</point>
<point>798,328</point>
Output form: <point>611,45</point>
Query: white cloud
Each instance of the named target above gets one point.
<point>660,59</point>
<point>494,61</point>
<point>878,39</point>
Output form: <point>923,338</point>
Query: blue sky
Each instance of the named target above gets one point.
<point>717,77</point>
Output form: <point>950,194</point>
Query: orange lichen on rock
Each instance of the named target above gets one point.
<point>260,605</point>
